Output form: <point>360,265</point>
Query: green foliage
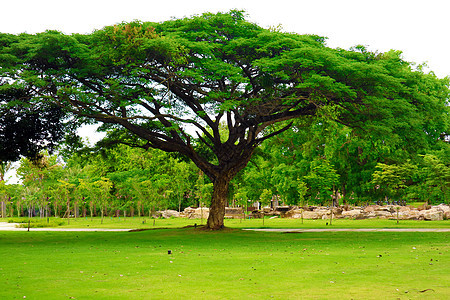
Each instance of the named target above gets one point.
<point>322,178</point>
<point>324,116</point>
<point>393,179</point>
<point>265,197</point>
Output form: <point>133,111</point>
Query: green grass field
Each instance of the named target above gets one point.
<point>231,264</point>
<point>146,223</point>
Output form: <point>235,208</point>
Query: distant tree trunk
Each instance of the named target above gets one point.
<point>139,206</point>
<point>68,212</point>
<point>55,207</point>
<point>302,214</point>
<point>3,209</point>
<point>75,210</point>
<point>19,209</point>
<point>91,209</point>
<point>11,208</point>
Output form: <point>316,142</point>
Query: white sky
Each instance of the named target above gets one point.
<point>419,28</point>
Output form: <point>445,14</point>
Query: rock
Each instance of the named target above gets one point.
<point>267,210</point>
<point>371,208</point>
<point>291,213</point>
<point>256,214</point>
<point>424,207</point>
<point>433,215</point>
<point>306,215</point>
<point>337,211</point>
<point>282,209</point>
<point>383,214</point>
<point>321,212</point>
<point>354,213</point>
<point>447,215</point>
<point>195,213</point>
<point>442,207</point>
<point>405,208</point>
<point>384,208</point>
<point>169,213</point>
<point>234,212</point>
<point>408,215</point>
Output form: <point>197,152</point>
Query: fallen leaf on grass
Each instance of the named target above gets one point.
<point>426,290</point>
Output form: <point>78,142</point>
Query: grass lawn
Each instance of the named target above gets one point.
<point>141,223</point>
<point>231,264</point>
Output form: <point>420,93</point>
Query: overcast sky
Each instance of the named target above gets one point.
<point>420,29</point>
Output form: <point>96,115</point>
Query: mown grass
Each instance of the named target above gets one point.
<point>146,223</point>
<point>230,264</point>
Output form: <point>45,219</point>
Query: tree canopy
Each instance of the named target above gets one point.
<point>169,86</point>
<point>26,128</point>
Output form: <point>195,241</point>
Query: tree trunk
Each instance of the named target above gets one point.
<point>218,203</point>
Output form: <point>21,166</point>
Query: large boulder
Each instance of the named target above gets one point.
<point>445,208</point>
<point>169,214</point>
<point>442,207</point>
<point>306,214</point>
<point>406,208</point>
<point>432,215</point>
<point>291,213</point>
<point>383,214</point>
<point>234,212</point>
<point>283,211</point>
<point>409,215</point>
<point>196,213</point>
<point>353,214</point>
<point>371,208</point>
<point>387,208</point>
<point>322,212</point>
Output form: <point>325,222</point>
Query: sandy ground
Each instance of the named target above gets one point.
<point>14,227</point>
<point>356,229</point>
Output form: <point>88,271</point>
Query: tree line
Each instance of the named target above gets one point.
<point>320,163</point>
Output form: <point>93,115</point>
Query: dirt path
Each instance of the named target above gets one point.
<point>14,227</point>
<point>354,229</point>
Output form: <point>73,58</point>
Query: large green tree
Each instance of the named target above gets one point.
<point>163,84</point>
<point>26,128</point>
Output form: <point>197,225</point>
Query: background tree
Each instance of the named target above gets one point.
<point>438,177</point>
<point>264,199</point>
<point>102,192</point>
<point>26,128</point>
<point>39,175</point>
<point>5,197</point>
<point>322,179</point>
<point>157,82</point>
<point>65,190</point>
<point>393,180</point>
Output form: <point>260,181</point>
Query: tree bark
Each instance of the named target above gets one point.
<point>218,203</point>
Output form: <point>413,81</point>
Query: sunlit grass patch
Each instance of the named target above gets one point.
<point>231,264</point>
